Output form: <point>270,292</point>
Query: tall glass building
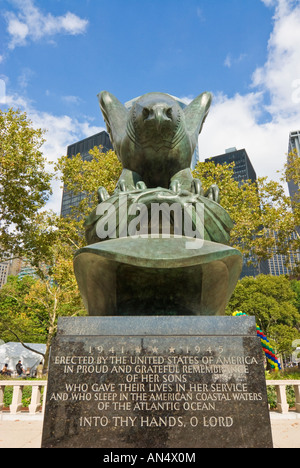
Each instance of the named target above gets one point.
<point>284,264</point>
<point>69,200</point>
<point>243,169</point>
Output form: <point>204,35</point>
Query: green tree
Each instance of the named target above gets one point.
<point>24,180</point>
<point>57,294</point>
<point>16,320</point>
<point>271,300</point>
<point>257,209</point>
<point>30,307</point>
<point>28,231</point>
<point>292,168</point>
<point>295,285</point>
<point>85,177</point>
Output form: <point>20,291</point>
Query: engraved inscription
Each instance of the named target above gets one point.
<point>144,383</point>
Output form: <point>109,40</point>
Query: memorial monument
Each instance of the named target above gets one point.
<point>156,364</point>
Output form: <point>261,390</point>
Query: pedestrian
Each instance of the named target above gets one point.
<point>6,371</point>
<point>39,370</point>
<point>19,369</point>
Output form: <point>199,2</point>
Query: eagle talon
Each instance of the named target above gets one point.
<point>197,187</point>
<point>102,194</point>
<point>213,193</point>
<point>141,185</point>
<point>175,186</point>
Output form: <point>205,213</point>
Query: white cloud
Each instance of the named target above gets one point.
<point>2,91</point>
<point>30,23</point>
<point>269,2</point>
<point>200,14</point>
<point>18,30</point>
<point>275,92</point>
<point>227,61</point>
<point>72,24</point>
<point>235,122</point>
<point>282,68</point>
<point>71,99</point>
<point>61,131</point>
<point>25,77</point>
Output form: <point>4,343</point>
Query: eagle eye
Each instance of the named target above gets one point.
<point>169,112</point>
<point>146,113</point>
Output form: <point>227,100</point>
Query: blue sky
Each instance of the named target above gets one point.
<point>56,55</point>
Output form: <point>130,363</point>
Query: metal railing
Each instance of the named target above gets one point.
<point>37,404</point>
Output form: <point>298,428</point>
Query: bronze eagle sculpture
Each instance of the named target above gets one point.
<point>155,139</point>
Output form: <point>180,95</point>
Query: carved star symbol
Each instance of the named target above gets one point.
<point>172,350</point>
<point>138,349</point>
<point>155,349</point>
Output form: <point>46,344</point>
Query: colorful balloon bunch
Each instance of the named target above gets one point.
<point>268,350</point>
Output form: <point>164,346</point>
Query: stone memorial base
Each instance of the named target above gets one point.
<point>156,382</point>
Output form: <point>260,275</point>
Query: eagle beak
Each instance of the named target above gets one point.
<point>159,119</point>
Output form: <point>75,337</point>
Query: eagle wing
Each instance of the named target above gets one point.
<point>196,113</point>
<point>115,117</point>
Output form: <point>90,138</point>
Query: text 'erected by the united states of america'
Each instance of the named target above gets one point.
<point>154,386</point>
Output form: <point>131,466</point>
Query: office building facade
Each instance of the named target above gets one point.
<point>284,264</point>
<point>4,267</point>
<point>70,200</point>
<point>9,267</point>
<point>243,169</point>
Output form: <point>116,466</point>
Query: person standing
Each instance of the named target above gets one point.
<point>39,370</point>
<point>19,369</point>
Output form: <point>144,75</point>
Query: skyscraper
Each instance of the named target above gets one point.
<point>284,264</point>
<point>243,169</point>
<point>9,267</point>
<point>69,200</point>
<point>4,267</point>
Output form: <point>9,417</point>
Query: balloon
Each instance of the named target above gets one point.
<point>268,350</point>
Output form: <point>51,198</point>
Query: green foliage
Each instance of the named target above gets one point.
<point>295,285</point>
<point>8,394</point>
<point>17,317</point>
<point>257,209</point>
<point>271,300</point>
<point>24,180</point>
<point>30,307</point>
<point>85,177</point>
<point>272,396</point>
<point>292,174</point>
<point>286,374</point>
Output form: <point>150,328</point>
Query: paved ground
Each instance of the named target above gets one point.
<point>22,433</point>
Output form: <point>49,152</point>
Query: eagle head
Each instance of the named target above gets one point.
<point>155,119</point>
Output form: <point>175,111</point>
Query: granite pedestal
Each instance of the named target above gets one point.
<point>156,382</point>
